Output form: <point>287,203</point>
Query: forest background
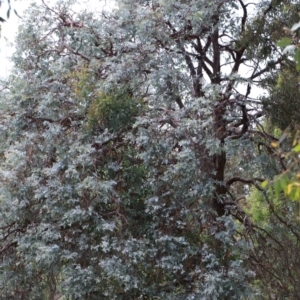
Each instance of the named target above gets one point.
<point>138,163</point>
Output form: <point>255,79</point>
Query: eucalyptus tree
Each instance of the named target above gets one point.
<point>130,138</point>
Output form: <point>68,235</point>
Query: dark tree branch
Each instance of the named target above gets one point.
<point>244,18</point>
<point>266,69</point>
<point>8,246</point>
<point>207,70</point>
<point>216,53</point>
<point>246,181</point>
<point>77,53</point>
<point>176,97</point>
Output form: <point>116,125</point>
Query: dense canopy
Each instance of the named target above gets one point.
<point>136,151</point>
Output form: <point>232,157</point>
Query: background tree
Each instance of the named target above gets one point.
<point>276,209</point>
<point>131,139</point>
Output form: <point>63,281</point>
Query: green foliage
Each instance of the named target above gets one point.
<point>114,110</point>
<point>287,182</point>
<point>286,42</point>
<point>284,100</point>
<point>257,208</point>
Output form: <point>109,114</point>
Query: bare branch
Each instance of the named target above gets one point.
<point>76,52</point>
<point>243,180</point>
<point>244,18</point>
<point>266,69</point>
